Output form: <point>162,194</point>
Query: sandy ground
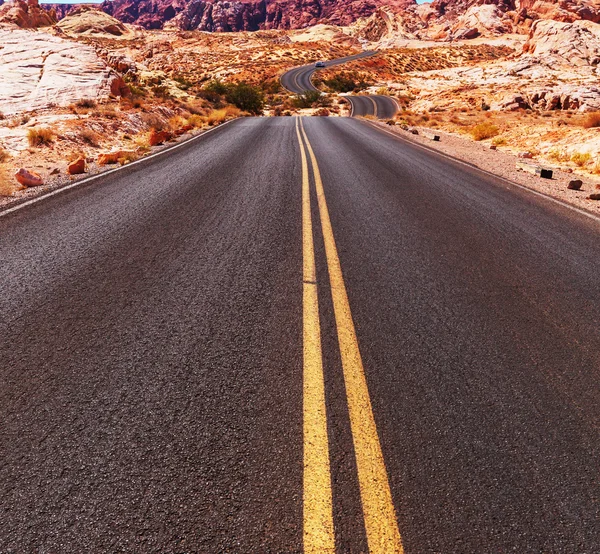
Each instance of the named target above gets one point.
<point>503,163</point>
<point>62,179</point>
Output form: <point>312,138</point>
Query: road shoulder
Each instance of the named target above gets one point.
<point>502,163</point>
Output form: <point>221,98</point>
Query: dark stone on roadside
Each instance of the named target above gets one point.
<point>575,184</point>
<point>594,196</point>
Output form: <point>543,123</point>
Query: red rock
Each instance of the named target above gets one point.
<point>248,15</point>
<point>77,167</point>
<point>27,15</point>
<point>28,178</point>
<point>118,87</point>
<point>159,137</point>
<point>113,157</point>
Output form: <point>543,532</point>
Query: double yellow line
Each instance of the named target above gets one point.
<point>381,526</point>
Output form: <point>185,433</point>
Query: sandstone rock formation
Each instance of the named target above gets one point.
<point>576,43</point>
<point>90,21</point>
<point>240,15</point>
<point>26,15</point>
<point>38,70</point>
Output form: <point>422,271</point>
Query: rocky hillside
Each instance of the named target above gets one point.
<point>247,15</point>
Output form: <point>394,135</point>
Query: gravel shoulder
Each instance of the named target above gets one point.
<point>502,163</point>
<point>93,169</point>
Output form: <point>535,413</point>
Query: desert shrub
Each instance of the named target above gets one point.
<point>272,86</point>
<point>1,116</point>
<point>484,131</point>
<point>139,92</point>
<point>222,114</point>
<point>322,112</point>
<point>596,169</point>
<point>195,107</point>
<point>307,99</point>
<point>40,136</point>
<point>161,91</point>
<point>580,159</point>
<point>195,120</point>
<point>182,82</point>
<point>246,97</point>
<point>215,87</point>
<point>499,141</point>
<point>4,155</point>
<point>592,120</point>
<point>90,137</point>
<point>86,103</point>
<point>345,82</point>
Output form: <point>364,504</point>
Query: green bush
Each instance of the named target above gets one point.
<point>307,99</point>
<point>246,97</point>
<point>345,82</point>
<point>242,95</point>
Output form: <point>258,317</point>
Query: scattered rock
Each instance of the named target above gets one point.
<point>594,196</point>
<point>159,137</point>
<point>575,184</point>
<point>493,147</point>
<point>28,178</point>
<point>77,167</point>
<point>525,155</point>
<point>109,158</point>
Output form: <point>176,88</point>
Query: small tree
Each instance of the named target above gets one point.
<point>246,97</point>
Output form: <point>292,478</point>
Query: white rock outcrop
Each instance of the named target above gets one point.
<point>38,70</point>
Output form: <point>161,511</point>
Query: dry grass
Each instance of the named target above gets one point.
<point>195,121</point>
<point>40,136</point>
<point>90,137</point>
<point>4,155</point>
<point>592,120</point>
<point>7,185</point>
<point>215,117</point>
<point>484,131</point>
<point>128,157</point>
<point>580,159</point>
<point>499,141</point>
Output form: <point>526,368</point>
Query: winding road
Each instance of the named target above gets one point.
<point>299,334</point>
<point>299,80</point>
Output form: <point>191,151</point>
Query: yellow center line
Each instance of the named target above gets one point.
<point>374,105</point>
<point>381,525</point>
<point>319,534</point>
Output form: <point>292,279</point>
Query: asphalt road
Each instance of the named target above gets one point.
<point>382,107</point>
<point>179,376</point>
<point>299,80</point>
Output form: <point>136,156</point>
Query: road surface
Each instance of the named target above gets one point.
<point>382,107</point>
<point>285,337</point>
<point>299,80</point>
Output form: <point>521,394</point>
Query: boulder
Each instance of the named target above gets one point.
<point>159,137</point>
<point>28,178</point>
<point>575,184</point>
<point>77,167</point>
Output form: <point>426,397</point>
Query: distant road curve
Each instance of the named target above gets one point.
<point>382,107</point>
<point>299,80</point>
